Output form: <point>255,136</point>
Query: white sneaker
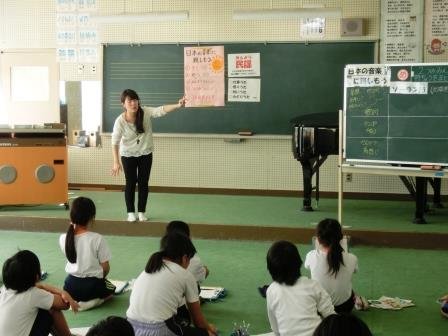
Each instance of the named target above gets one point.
<point>142,217</point>
<point>86,305</point>
<point>131,217</point>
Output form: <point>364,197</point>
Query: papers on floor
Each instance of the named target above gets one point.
<point>212,293</point>
<point>122,286</point>
<point>78,331</point>
<point>391,303</point>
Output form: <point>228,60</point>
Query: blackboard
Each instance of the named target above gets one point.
<point>296,79</point>
<point>397,114</point>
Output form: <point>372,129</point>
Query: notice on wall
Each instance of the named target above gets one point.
<point>243,90</point>
<point>436,30</point>
<point>401,31</point>
<point>66,5</point>
<point>243,65</point>
<point>66,37</point>
<point>66,20</point>
<point>312,28</point>
<point>67,55</point>
<point>88,54</point>
<point>76,36</point>
<point>204,76</point>
<point>367,75</point>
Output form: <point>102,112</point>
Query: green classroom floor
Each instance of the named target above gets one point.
<point>239,266</point>
<point>252,211</point>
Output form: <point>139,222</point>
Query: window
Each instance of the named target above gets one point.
<point>91,105</point>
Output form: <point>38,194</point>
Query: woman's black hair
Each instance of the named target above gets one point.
<point>284,262</point>
<point>329,233</point>
<point>112,326</point>
<point>173,246</point>
<point>342,324</point>
<point>21,271</point>
<point>178,226</point>
<point>82,211</point>
<point>139,117</point>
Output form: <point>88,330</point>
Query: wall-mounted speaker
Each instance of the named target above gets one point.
<point>352,27</point>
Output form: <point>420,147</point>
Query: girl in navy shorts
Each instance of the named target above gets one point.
<point>88,257</point>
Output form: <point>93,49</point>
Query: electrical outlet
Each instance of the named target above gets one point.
<point>348,177</point>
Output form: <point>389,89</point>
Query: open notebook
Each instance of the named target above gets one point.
<point>121,286</point>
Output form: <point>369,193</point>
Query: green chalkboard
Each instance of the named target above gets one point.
<point>296,79</point>
<point>397,114</point>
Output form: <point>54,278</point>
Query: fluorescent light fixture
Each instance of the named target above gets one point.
<point>285,13</point>
<point>141,17</point>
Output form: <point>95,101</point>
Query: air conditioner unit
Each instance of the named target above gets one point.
<point>352,27</point>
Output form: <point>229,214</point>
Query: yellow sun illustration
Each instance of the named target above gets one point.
<point>217,64</point>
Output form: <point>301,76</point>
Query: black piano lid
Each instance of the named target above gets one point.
<point>327,119</point>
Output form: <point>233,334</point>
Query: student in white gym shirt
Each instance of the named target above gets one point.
<point>27,306</point>
<point>160,290</point>
<point>333,267</point>
<point>295,303</point>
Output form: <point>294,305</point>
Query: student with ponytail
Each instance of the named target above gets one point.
<point>332,266</point>
<point>160,289</point>
<point>87,256</point>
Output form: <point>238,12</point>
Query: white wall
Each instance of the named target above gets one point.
<point>258,163</point>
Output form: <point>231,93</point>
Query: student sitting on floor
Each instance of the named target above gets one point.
<point>112,326</point>
<point>161,288</point>
<point>295,303</point>
<point>342,324</point>
<point>27,307</point>
<point>333,267</point>
<point>88,257</point>
<point>444,305</point>
<point>196,267</point>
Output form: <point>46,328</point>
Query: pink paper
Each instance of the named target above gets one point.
<point>204,76</point>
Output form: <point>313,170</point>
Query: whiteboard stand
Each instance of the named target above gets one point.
<point>374,169</point>
<point>340,174</point>
<point>374,141</point>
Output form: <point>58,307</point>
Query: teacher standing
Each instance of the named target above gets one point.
<point>132,141</point>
